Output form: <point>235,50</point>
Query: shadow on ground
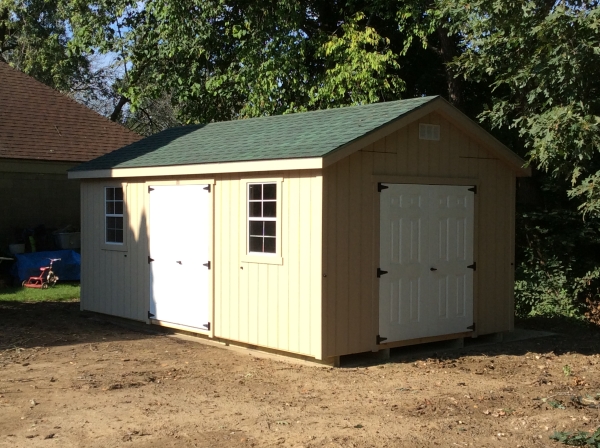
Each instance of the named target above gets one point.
<point>537,335</point>
<point>46,324</point>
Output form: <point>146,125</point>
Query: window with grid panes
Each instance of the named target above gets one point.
<point>262,218</point>
<point>113,211</point>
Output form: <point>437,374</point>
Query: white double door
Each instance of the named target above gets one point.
<point>426,247</point>
<point>179,254</point>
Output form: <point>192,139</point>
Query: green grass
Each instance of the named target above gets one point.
<point>57,293</point>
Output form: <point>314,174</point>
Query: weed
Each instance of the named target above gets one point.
<point>578,438</point>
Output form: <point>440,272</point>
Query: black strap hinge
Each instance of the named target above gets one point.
<point>150,189</point>
<point>150,260</point>
<point>207,188</point>
<point>471,327</point>
<point>473,189</point>
<point>207,325</point>
<point>207,264</point>
<point>379,339</point>
<point>473,266</point>
<point>150,315</point>
<point>381,187</point>
<point>380,272</point>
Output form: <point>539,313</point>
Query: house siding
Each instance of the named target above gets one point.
<point>35,193</point>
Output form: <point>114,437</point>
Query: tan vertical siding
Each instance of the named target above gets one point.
<point>114,282</point>
<point>351,208</point>
<point>270,305</point>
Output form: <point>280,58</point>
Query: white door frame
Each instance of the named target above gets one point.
<point>211,238</point>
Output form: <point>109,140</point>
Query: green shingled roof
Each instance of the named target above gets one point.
<point>300,135</point>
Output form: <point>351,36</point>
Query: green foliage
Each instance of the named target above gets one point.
<point>59,292</point>
<point>542,60</point>
<point>241,59</point>
<point>34,35</point>
<point>578,438</point>
<point>359,67</point>
<point>556,267</point>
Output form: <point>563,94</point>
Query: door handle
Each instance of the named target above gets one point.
<point>178,262</point>
<point>433,269</point>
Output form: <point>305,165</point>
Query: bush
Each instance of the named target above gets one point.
<point>557,259</point>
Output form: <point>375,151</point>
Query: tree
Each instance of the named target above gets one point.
<point>543,60</point>
<point>33,39</point>
<point>245,58</point>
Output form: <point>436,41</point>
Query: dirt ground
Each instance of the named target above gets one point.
<point>71,381</point>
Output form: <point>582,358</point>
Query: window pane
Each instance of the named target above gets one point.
<point>269,209</point>
<point>110,235</point>
<point>110,223</point>
<point>118,223</point>
<point>110,194</point>
<point>255,191</point>
<point>118,236</point>
<point>119,194</point>
<point>256,244</point>
<point>256,228</point>
<point>270,228</point>
<point>119,208</point>
<point>255,209</point>
<point>110,208</point>
<point>270,245</point>
<point>270,191</point>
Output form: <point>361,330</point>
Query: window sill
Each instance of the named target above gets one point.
<point>262,259</point>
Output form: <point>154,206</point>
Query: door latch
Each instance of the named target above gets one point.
<point>207,264</point>
<point>380,272</point>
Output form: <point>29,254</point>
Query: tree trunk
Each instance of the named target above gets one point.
<point>118,108</point>
<point>448,52</point>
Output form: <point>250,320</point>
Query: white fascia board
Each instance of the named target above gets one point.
<point>207,168</point>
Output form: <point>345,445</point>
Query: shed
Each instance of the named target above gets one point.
<point>314,234</point>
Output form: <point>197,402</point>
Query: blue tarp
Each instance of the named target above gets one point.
<point>67,269</point>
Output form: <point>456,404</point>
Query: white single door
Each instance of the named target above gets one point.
<point>426,252</point>
<point>179,254</point>
<point>451,221</point>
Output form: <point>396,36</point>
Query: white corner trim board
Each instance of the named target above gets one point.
<point>200,169</point>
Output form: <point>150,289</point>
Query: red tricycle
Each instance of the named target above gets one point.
<point>47,277</point>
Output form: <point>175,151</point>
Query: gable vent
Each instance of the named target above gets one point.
<point>429,131</point>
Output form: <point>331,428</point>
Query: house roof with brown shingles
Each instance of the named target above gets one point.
<point>39,123</point>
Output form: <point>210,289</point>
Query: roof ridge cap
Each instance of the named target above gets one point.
<point>328,110</point>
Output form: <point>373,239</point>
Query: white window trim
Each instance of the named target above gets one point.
<point>122,247</point>
<point>262,258</point>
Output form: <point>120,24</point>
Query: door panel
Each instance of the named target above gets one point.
<point>451,216</point>
<point>426,245</point>
<point>179,246</point>
<point>404,225</point>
